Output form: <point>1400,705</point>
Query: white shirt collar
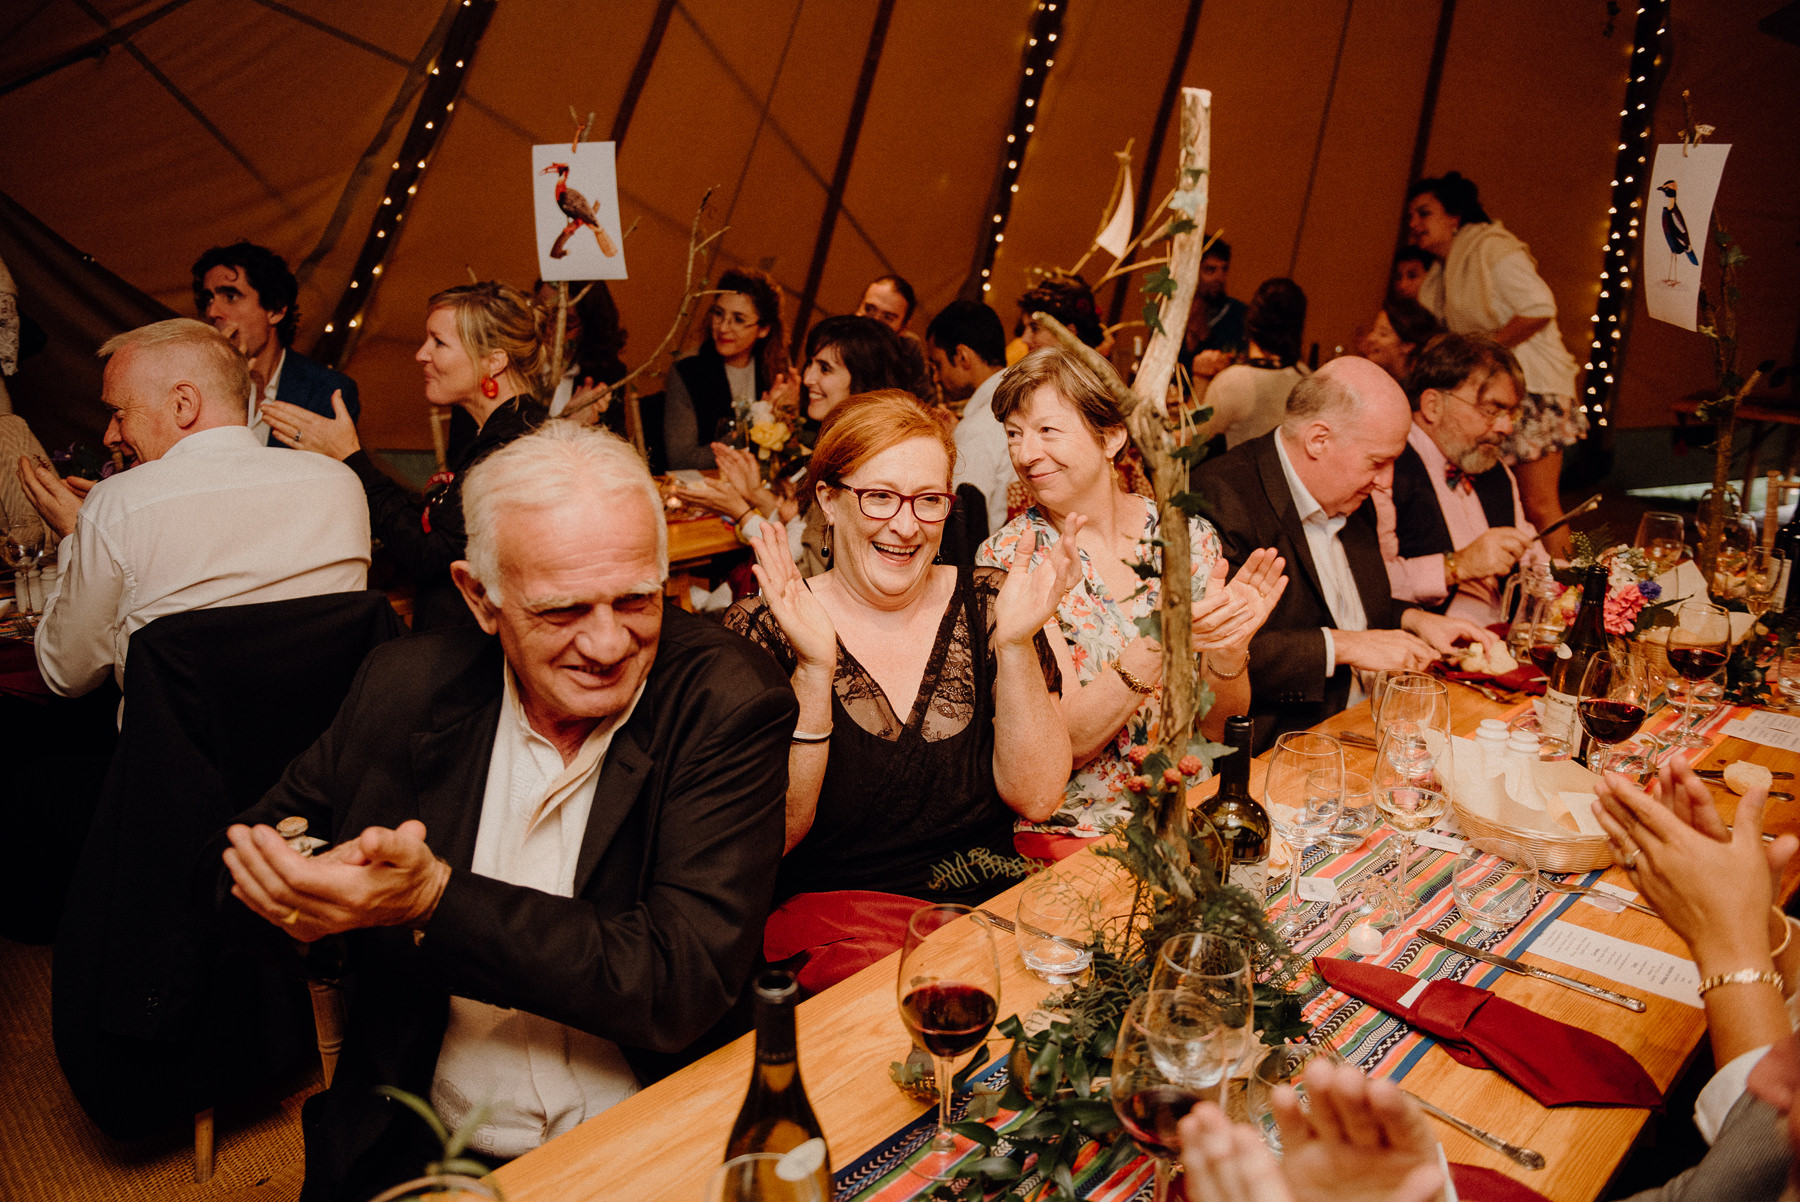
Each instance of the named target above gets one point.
<point>1305,503</point>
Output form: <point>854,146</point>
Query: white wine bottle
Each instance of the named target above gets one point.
<point>776,1116</point>
<point>1240,820</point>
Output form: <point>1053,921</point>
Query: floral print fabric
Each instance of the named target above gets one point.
<point>1097,626</point>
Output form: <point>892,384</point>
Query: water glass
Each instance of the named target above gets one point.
<point>1789,679</point>
<point>1282,1066</point>
<point>1056,927</point>
<point>1495,886</point>
<point>1357,815</point>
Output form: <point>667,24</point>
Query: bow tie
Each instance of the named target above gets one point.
<point>1454,476</point>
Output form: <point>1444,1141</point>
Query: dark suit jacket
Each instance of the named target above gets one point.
<point>1419,519</point>
<point>1249,502</point>
<point>1747,1163</point>
<point>674,881</point>
<point>310,385</point>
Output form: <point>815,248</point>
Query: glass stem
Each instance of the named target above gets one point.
<point>1406,849</point>
<point>943,1141</point>
<point>1160,1190</point>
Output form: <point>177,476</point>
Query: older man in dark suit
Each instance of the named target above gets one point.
<point>601,783</point>
<point>1304,490</point>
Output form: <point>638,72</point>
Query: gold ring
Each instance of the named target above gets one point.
<point>293,916</point>
<point>1631,860</point>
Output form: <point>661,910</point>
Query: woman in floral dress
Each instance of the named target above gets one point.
<point>1063,431</point>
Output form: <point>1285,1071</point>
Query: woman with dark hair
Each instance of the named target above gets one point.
<point>928,712</point>
<point>844,356</point>
<point>1401,327</point>
<point>484,354</point>
<point>742,359</point>
<point>592,342</point>
<point>1068,299</point>
<point>1411,265</point>
<point>1249,398</point>
<point>1488,283</point>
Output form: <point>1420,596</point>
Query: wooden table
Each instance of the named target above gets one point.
<point>667,1139</point>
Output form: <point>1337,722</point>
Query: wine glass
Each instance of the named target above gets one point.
<point>1412,776</point>
<point>1662,537</point>
<point>1614,701</point>
<point>1789,679</point>
<point>22,548</point>
<point>1764,573</point>
<point>949,993</point>
<point>1148,1100</point>
<point>1303,792</point>
<point>1218,970</point>
<point>1699,645</point>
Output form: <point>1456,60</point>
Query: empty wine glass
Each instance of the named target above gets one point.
<point>1614,701</point>
<point>1663,540</point>
<point>1149,1102</point>
<point>949,993</point>
<point>1215,968</point>
<point>1303,792</point>
<point>1412,777</point>
<point>1699,645</point>
<point>22,547</point>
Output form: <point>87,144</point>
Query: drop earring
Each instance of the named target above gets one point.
<point>490,387</point>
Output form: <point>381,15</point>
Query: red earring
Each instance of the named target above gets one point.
<point>490,387</point>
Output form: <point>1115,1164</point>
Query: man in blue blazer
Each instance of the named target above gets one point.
<point>247,293</point>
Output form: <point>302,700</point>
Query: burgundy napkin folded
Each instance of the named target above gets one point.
<point>1555,1063</point>
<point>1523,679</point>
<point>1476,1184</point>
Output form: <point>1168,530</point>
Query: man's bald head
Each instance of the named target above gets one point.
<point>1345,425</point>
<point>168,380</point>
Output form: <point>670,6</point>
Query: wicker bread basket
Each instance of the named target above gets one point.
<point>1554,853</point>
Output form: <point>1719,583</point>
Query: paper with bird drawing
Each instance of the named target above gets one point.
<point>575,209</point>
<point>1677,213</point>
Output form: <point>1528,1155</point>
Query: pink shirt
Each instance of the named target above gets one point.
<point>1422,579</point>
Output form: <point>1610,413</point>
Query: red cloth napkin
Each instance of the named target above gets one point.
<point>837,934</point>
<point>1476,1184</point>
<point>1555,1063</point>
<point>1523,679</point>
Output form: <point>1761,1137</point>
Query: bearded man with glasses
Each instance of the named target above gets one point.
<point>1454,527</point>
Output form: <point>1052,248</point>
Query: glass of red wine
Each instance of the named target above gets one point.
<point>949,996</point>
<point>1699,644</point>
<point>1149,1100</point>
<point>1614,701</point>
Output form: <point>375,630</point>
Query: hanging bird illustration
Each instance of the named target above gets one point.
<point>1675,229</point>
<point>579,211</point>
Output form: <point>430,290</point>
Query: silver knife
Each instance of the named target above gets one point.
<point>1524,1157</point>
<point>1719,774</point>
<point>1519,966</point>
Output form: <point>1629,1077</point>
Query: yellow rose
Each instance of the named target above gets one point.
<point>770,436</point>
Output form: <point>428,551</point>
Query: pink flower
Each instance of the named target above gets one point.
<point>1136,756</point>
<point>1171,776</point>
<point>1622,609</point>
<point>1138,784</point>
<point>1190,765</point>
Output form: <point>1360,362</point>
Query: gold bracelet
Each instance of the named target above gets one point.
<point>1787,933</point>
<point>1131,682</point>
<point>1747,976</point>
<point>1224,676</point>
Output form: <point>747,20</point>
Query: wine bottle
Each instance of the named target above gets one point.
<point>776,1117</point>
<point>1787,542</point>
<point>1563,670</point>
<point>1238,818</point>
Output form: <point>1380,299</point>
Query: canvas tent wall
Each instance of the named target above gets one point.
<point>142,131</point>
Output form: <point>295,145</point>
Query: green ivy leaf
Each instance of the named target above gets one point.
<point>997,1168</point>
<point>1153,318</point>
<point>981,1133</point>
<point>1160,282</point>
<point>1181,225</point>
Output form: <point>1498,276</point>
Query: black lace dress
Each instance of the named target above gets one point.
<point>909,806</point>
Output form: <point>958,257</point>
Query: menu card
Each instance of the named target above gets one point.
<point>1644,969</point>
<point>1771,730</point>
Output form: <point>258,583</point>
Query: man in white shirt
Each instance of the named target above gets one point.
<point>1453,526</point>
<point>207,517</point>
<point>968,353</point>
<point>248,294</point>
<point>1303,488</point>
<point>602,783</point>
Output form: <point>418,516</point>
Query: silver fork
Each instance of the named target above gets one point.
<point>1589,890</point>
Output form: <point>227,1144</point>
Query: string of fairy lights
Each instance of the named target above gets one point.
<point>1039,57</point>
<point>442,87</point>
<point>1626,209</point>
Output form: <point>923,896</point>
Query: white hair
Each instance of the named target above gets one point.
<point>558,462</point>
<point>221,371</point>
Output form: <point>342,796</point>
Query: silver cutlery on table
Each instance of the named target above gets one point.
<point>1719,774</point>
<point>1589,890</point>
<point>1528,970</point>
<point>1007,925</point>
<point>1523,1157</point>
<point>1484,690</point>
<point>1353,739</point>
